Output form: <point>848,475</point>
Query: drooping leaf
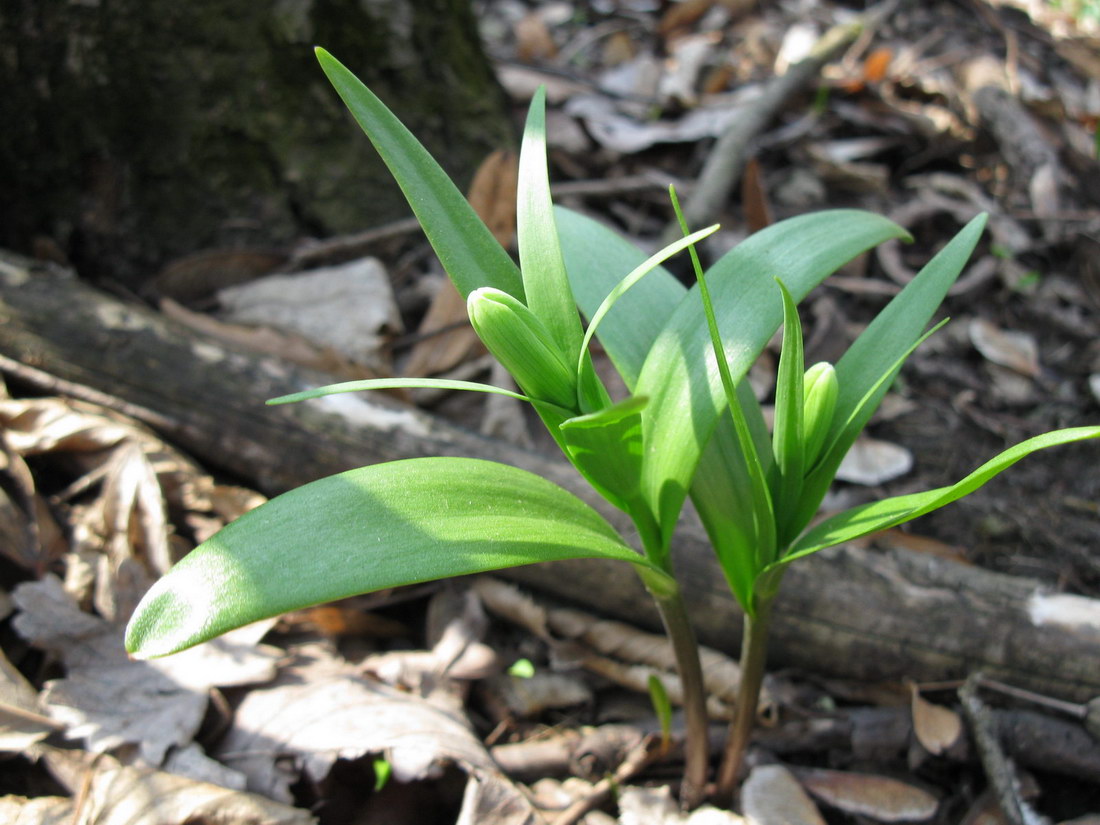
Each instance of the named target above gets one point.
<point>380,526</point>
<point>881,515</point>
<point>680,374</point>
<point>597,258</point>
<point>636,274</point>
<point>467,249</point>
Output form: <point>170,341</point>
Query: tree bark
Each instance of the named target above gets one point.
<point>139,131</point>
<point>846,612</point>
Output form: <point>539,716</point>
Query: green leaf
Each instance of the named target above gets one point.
<point>381,526</point>
<point>787,437</point>
<point>640,271</point>
<point>467,249</point>
<point>680,375</point>
<point>881,515</point>
<point>606,447</point>
<point>595,258</point>
<point>544,278</point>
<point>865,371</point>
<point>375,384</point>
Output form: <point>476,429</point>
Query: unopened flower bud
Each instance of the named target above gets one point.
<point>819,392</point>
<point>521,342</point>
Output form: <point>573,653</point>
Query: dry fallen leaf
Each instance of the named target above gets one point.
<point>21,724</point>
<point>108,700</point>
<point>655,806</point>
<point>42,810</point>
<point>878,797</point>
<point>320,710</point>
<point>871,461</point>
<point>772,796</point>
<point>120,795</point>
<point>937,728</point>
<point>1007,348</point>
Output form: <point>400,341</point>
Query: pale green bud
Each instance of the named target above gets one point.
<point>819,392</point>
<point>523,344</point>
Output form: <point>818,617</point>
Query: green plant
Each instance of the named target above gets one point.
<point>690,425</point>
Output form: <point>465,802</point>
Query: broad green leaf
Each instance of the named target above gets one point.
<point>545,282</point>
<point>881,515</point>
<point>467,249</point>
<point>680,375</point>
<point>788,445</point>
<point>880,349</point>
<point>376,527</point>
<point>606,447</point>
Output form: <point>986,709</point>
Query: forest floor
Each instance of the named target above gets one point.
<point>934,113</point>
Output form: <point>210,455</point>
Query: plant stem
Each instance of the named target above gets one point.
<point>686,649</point>
<point>754,646</point>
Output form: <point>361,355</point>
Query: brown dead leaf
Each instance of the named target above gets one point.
<point>42,810</point>
<point>21,725</point>
<point>755,197</point>
<point>937,728</point>
<point>878,797</point>
<point>116,794</point>
<point>1007,348</point>
<point>108,700</point>
<point>655,806</point>
<point>533,39</point>
<point>683,15</point>
<point>320,710</point>
<point>871,461</point>
<point>772,796</point>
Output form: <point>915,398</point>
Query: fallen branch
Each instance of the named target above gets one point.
<point>847,611</point>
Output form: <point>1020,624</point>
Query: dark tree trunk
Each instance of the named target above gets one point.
<point>137,131</point>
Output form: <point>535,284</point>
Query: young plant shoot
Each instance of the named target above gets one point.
<point>689,426</point>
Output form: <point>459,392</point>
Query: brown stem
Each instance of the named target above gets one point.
<point>754,647</point>
<point>686,649</point>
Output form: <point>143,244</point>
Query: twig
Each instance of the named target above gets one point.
<point>999,768</point>
<point>641,757</point>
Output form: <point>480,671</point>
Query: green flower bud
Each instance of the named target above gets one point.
<point>819,392</point>
<point>523,344</point>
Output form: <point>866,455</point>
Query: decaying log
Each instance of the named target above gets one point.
<point>846,611</point>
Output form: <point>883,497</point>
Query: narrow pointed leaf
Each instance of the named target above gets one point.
<point>545,282</point>
<point>596,258</point>
<point>680,374</point>
<point>787,442</point>
<point>376,527</point>
<point>881,515</point>
<point>467,249</point>
<point>645,268</point>
<point>376,384</point>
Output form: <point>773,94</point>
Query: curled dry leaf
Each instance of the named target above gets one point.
<point>1006,348</point>
<point>871,461</point>
<point>881,798</point>
<point>42,810</point>
<point>772,796</point>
